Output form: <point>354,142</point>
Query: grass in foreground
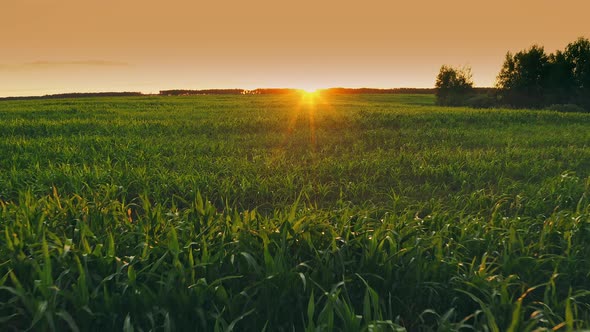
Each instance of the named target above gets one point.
<point>375,212</point>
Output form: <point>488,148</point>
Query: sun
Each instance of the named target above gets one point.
<point>308,97</point>
<point>309,87</point>
<point>309,90</point>
<point>309,93</point>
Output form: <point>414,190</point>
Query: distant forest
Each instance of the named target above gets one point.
<point>262,91</point>
<point>528,79</point>
<point>277,91</point>
<point>79,95</point>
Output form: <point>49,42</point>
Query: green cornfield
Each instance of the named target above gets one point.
<point>292,213</point>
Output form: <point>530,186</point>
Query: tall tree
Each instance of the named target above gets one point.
<point>559,82</point>
<point>453,85</point>
<point>522,77</point>
<point>578,55</point>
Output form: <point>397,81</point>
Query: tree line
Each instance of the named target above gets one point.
<point>528,78</point>
<point>280,91</point>
<point>78,95</point>
<point>260,91</point>
<point>355,91</point>
<point>183,92</point>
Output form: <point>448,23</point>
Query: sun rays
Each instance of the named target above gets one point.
<point>311,107</point>
<point>309,97</point>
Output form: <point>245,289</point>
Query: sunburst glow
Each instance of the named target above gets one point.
<point>309,90</point>
<point>309,96</point>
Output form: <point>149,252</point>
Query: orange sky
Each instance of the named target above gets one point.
<point>115,45</point>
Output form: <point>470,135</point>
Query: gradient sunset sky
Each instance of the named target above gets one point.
<point>58,46</point>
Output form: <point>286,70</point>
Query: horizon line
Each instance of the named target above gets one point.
<point>159,93</point>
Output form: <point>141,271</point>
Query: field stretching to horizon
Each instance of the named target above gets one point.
<point>292,213</point>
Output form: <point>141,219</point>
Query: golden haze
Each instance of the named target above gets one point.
<point>66,45</point>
